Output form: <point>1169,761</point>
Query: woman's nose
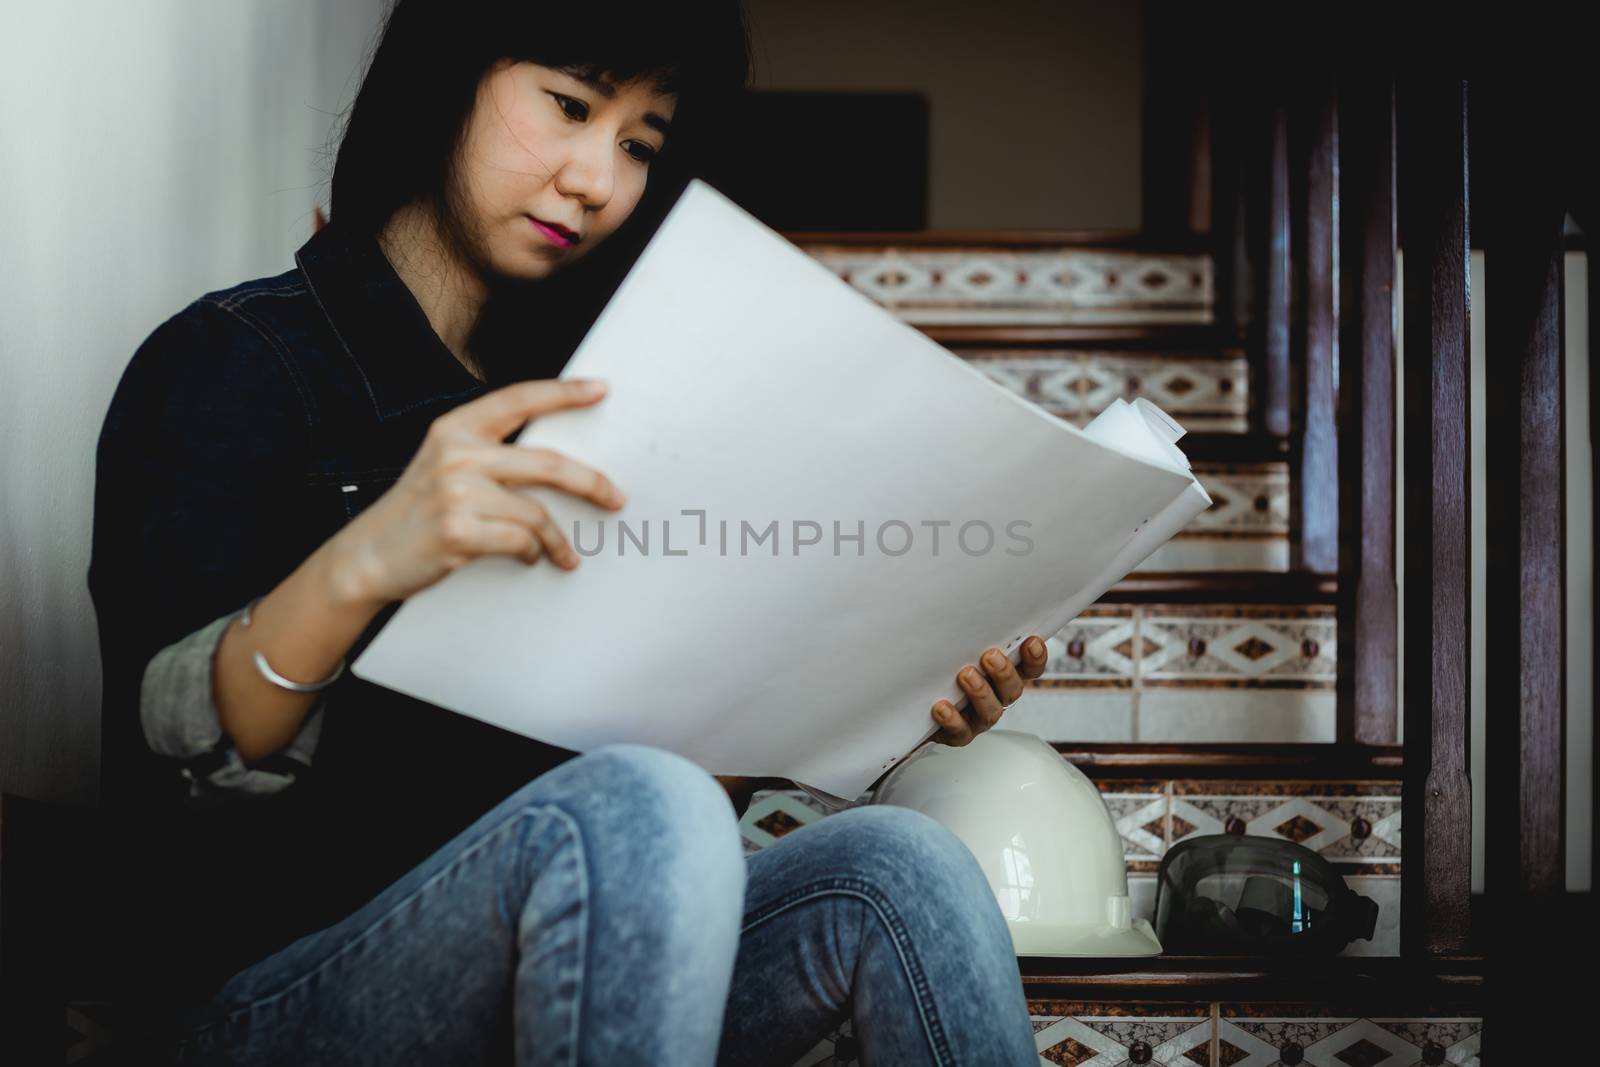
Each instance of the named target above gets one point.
<point>589,171</point>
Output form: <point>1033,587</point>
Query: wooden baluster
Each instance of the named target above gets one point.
<point>1522,212</point>
<point>1314,338</point>
<point>1594,532</point>
<point>1368,688</point>
<point>1437,796</point>
<point>1230,240</point>
<point>1272,335</point>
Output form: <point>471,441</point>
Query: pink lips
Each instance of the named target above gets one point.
<point>556,237</point>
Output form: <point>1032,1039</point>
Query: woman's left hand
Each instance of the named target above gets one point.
<point>989,692</point>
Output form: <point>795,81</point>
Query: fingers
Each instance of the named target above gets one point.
<point>492,501</point>
<point>955,730</point>
<point>1004,681</point>
<point>998,686</point>
<point>959,727</point>
<point>1035,655</point>
<point>497,413</point>
<point>983,705</point>
<point>515,465</point>
<point>464,536</point>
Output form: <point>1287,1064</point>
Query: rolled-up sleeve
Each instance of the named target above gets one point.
<point>178,711</point>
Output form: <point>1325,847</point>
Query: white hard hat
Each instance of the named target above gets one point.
<point>1042,834</point>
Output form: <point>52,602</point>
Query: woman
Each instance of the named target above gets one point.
<point>321,870</point>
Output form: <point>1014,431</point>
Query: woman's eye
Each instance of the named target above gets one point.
<point>562,102</point>
<point>641,151</point>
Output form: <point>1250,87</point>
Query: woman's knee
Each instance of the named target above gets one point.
<point>638,805</point>
<point>904,853</point>
<point>662,779</point>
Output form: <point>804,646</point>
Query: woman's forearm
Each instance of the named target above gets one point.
<point>303,627</point>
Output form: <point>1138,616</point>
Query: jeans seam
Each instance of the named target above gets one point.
<point>343,950</point>
<point>582,865</point>
<point>932,1027</point>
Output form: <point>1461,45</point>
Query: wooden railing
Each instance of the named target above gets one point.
<point>1396,157</point>
<point>1437,805</point>
<point>1311,187</point>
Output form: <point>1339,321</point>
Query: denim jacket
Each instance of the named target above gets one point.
<point>246,430</point>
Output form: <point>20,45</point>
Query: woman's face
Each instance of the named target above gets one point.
<point>544,153</point>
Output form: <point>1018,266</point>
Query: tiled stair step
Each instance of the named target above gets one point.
<point>1207,391</point>
<point>1246,528</point>
<point>1088,1008</point>
<point>1037,281</point>
<point>1192,1032</point>
<point>1258,1013</point>
<point>1354,823</point>
<point>1123,337</point>
<point>1223,587</point>
<point>1400,985</point>
<point>1118,761</point>
<point>1246,473</point>
<point>1196,1033</point>
<point>1190,672</point>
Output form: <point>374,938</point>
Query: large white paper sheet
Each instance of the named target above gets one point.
<point>828,514</point>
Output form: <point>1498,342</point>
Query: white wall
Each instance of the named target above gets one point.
<point>149,152</point>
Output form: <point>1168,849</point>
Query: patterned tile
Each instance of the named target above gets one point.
<point>1049,286</point>
<point>1360,834</point>
<point>1268,647</point>
<point>1094,1035</point>
<point>1054,381</point>
<point>775,812</point>
<point>1248,1038</point>
<point>1198,673</point>
<point>1140,812</point>
<point>1206,395</point>
<point>1247,526</point>
<point>1249,646</point>
<point>1094,649</point>
<point>1247,500</point>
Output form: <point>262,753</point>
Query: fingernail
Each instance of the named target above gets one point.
<point>969,677</point>
<point>994,659</point>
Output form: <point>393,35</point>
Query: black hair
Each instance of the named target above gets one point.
<point>401,136</point>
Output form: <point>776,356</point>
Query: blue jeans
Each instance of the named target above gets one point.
<point>604,914</point>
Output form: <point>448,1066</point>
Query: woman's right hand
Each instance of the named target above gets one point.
<point>456,499</point>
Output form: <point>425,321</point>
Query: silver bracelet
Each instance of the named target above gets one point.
<point>279,680</point>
